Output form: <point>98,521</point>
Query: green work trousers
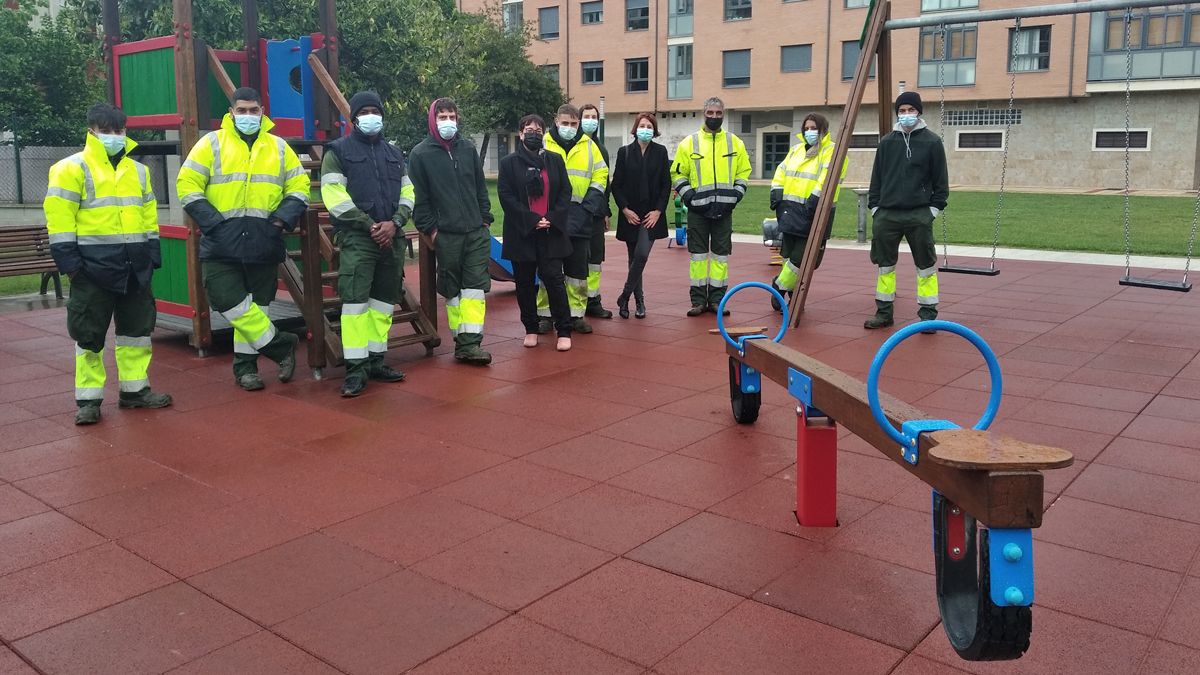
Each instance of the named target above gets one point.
<point>241,293</point>
<point>709,242</point>
<point>888,227</point>
<point>90,311</point>
<point>594,260</point>
<point>463,279</point>
<point>369,284</point>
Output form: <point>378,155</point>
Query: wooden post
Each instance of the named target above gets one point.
<point>189,134</point>
<point>329,85</point>
<point>313,306</point>
<point>427,273</point>
<point>325,109</point>
<point>884,76</point>
<point>821,221</point>
<point>112,36</point>
<point>250,46</point>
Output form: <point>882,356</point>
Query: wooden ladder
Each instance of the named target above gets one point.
<point>315,287</point>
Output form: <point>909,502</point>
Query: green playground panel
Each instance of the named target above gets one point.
<point>218,104</point>
<point>170,281</point>
<point>148,82</point>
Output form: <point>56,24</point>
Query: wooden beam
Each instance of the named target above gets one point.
<point>821,221</point>
<point>329,85</point>
<point>326,107</point>
<point>884,77</point>
<point>112,36</point>
<point>218,71</point>
<point>250,43</point>
<point>997,498</point>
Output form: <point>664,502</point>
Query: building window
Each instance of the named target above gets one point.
<point>736,68</point>
<point>548,23</point>
<point>593,72</point>
<point>850,54</point>
<point>637,14</point>
<point>1165,42</point>
<point>864,141</point>
<point>679,17</point>
<point>855,4</point>
<point>947,5</point>
<point>1155,28</point>
<point>1114,139</point>
<point>637,75</point>
<point>591,12</point>
<point>736,10</point>
<point>775,150</point>
<point>679,71</point>
<point>747,124</point>
<point>957,63</point>
<point>795,58</point>
<point>979,140</point>
<point>1029,49</point>
<point>550,70</point>
<point>513,15</point>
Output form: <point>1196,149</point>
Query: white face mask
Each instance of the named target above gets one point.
<point>812,136</point>
<point>447,129</point>
<point>589,126</point>
<point>567,133</point>
<point>247,124</point>
<point>370,124</point>
<point>908,120</point>
<point>113,143</point>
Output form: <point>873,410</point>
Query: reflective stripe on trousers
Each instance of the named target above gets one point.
<point>698,269</point>
<point>380,314</point>
<point>718,271</point>
<point>789,275</point>
<point>593,281</point>
<point>885,284</point>
<point>578,292</point>
<point>133,362</point>
<point>252,329</point>
<point>356,330</point>
<point>89,374</point>
<point>472,308</point>
<point>927,286</point>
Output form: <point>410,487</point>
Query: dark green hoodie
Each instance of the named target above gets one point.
<point>450,193</point>
<point>909,171</point>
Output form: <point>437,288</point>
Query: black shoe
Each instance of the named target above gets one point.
<point>580,325</point>
<point>250,382</point>
<point>287,365</point>
<point>713,309</point>
<point>878,321</point>
<point>87,414</point>
<point>623,306</point>
<point>544,326</point>
<point>595,309</point>
<point>774,300</point>
<point>144,399</point>
<point>696,310</point>
<point>473,355</point>
<point>640,311</point>
<point>386,373</point>
<point>354,386</point>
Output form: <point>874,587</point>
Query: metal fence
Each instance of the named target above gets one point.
<point>24,173</point>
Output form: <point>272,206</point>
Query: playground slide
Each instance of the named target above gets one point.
<point>499,268</point>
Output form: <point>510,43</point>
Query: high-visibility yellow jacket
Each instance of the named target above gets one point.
<point>710,171</point>
<point>588,173</point>
<point>103,219</point>
<point>236,191</point>
<point>798,182</point>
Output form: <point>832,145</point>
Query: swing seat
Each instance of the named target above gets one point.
<point>1141,282</point>
<point>962,269</point>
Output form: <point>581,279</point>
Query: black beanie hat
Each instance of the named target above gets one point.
<point>363,99</point>
<point>910,97</point>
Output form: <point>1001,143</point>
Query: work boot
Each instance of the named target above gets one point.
<point>250,382</point>
<point>473,355</point>
<point>594,308</point>
<point>143,399</point>
<point>88,413</point>
<point>774,300</point>
<point>580,325</point>
<point>287,365</point>
<point>544,326</point>
<point>696,310</point>
<point>713,308</point>
<point>880,320</point>
<point>385,373</point>
<point>354,385</point>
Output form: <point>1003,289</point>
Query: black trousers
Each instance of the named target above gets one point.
<point>639,254</point>
<point>550,271</point>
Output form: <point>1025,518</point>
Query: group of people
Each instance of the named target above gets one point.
<point>245,187</point>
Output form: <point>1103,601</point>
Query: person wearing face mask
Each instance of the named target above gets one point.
<point>103,224</point>
<point>244,187</point>
<point>535,194</point>
<point>454,210</point>
<point>909,187</point>
<point>369,197</point>
<point>795,192</point>
<point>589,181</point>
<point>641,185</point>
<point>710,172</point>
<point>589,123</point>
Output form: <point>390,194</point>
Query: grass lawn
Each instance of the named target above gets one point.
<point>29,283</point>
<point>1092,223</point>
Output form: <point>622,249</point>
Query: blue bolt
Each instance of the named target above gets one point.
<point>1012,552</point>
<point>1013,595</point>
<point>750,389</point>
<point>750,370</point>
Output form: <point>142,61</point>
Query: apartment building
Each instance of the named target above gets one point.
<point>773,61</point>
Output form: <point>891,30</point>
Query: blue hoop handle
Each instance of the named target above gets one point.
<point>732,292</point>
<point>903,334</point>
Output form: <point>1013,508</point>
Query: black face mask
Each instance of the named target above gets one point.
<point>532,140</point>
<point>713,123</point>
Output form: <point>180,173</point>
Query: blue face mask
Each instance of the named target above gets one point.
<point>113,143</point>
<point>567,133</point>
<point>908,121</point>
<point>247,124</point>
<point>644,135</point>
<point>589,126</point>
<point>447,129</point>
<point>370,124</point>
<point>812,136</point>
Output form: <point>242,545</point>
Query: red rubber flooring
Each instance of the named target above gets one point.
<point>597,511</point>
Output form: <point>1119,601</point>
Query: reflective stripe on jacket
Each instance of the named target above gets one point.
<point>711,169</point>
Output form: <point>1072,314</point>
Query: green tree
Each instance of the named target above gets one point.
<point>48,78</point>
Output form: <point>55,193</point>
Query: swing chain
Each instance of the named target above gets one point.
<point>941,70</point>
<point>1008,122</point>
<point>1128,79</point>
<point>1187,263</point>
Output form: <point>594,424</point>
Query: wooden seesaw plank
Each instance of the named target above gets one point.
<point>740,331</point>
<point>982,450</point>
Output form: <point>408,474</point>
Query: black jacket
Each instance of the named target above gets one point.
<point>641,183</point>
<point>909,172</point>
<point>451,195</point>
<point>374,171</point>
<point>521,236</point>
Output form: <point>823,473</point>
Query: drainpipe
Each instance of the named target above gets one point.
<point>828,42</point>
<point>1071,60</point>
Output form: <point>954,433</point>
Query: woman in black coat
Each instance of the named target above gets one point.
<point>641,185</point>
<point>535,194</point>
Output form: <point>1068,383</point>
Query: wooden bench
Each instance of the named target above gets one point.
<point>26,250</point>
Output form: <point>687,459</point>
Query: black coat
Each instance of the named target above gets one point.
<point>522,240</point>
<point>641,183</point>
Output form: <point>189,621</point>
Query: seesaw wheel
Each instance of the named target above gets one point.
<point>745,406</point>
<point>978,629</point>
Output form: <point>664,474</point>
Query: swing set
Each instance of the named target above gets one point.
<point>876,40</point>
